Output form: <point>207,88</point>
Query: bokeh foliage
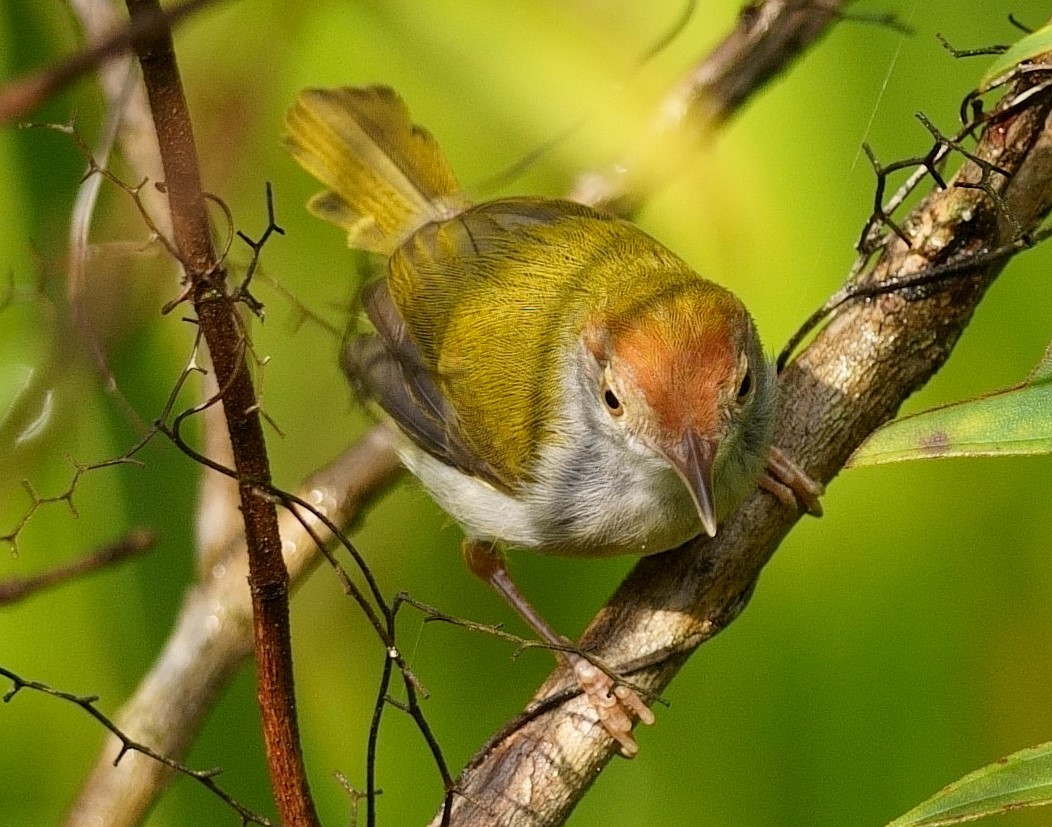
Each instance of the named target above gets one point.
<point>892,646</point>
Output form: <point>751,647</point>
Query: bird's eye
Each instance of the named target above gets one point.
<point>613,404</point>
<point>746,385</point>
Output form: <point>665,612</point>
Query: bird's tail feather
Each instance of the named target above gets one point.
<point>386,176</point>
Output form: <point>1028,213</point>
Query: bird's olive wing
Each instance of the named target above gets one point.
<point>387,366</point>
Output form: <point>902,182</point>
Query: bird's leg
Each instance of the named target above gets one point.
<point>790,483</point>
<point>614,703</point>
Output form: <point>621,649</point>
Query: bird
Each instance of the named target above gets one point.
<point>557,379</point>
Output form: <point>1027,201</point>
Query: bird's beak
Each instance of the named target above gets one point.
<point>692,457</point>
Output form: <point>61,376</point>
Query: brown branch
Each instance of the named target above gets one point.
<point>133,543</point>
<point>852,378</point>
<point>22,96</point>
<point>216,313</point>
<point>769,36</point>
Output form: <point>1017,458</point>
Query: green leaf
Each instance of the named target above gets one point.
<point>1013,422</point>
<point>1023,779</point>
<point>1032,45</point>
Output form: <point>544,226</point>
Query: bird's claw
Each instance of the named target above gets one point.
<point>614,703</point>
<point>790,483</point>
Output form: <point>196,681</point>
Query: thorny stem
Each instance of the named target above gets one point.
<point>87,703</point>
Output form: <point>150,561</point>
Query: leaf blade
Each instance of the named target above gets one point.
<point>1016,422</point>
<point>1013,422</point>
<point>1036,43</point>
<point>1020,780</point>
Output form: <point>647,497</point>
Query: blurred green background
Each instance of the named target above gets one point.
<point>892,646</point>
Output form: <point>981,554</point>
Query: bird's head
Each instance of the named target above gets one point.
<point>679,374</point>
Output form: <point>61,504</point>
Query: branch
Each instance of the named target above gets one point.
<point>132,544</point>
<point>851,379</point>
<point>768,37</point>
<point>22,96</point>
<point>217,316</point>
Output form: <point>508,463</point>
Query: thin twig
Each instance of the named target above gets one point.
<point>79,470</point>
<point>257,245</point>
<point>87,702</point>
<point>983,51</point>
<point>937,274</point>
<point>132,544</point>
<point>20,97</point>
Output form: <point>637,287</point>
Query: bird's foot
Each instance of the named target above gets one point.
<point>790,483</point>
<point>614,703</point>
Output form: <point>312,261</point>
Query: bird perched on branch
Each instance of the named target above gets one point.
<point>560,380</point>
